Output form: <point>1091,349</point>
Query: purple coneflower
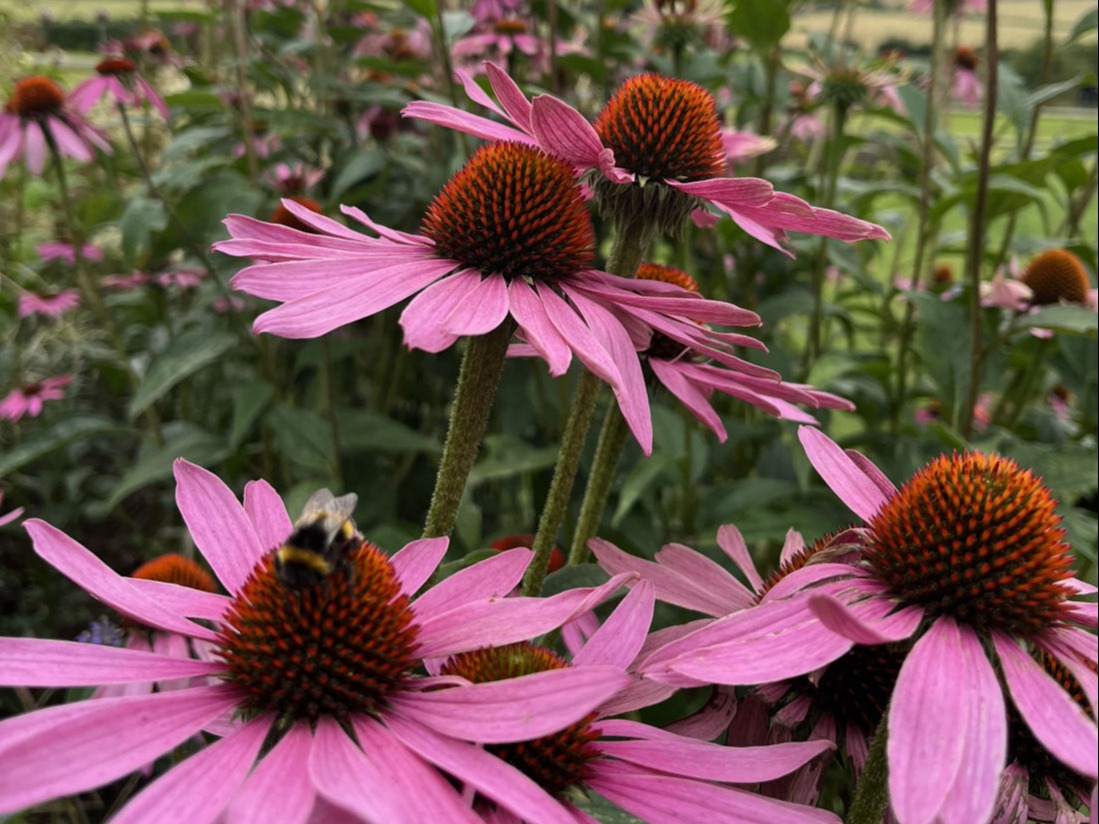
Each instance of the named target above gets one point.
<point>966,87</point>
<point>36,116</point>
<point>654,132</point>
<point>294,670</point>
<point>964,567</point>
<point>294,179</point>
<point>118,78</point>
<point>125,283</point>
<point>49,305</point>
<point>508,236</point>
<point>27,400</point>
<point>63,250</point>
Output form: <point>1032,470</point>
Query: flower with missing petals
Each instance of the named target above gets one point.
<point>321,679</point>
<point>966,570</point>
<point>508,237</point>
<point>118,78</point>
<point>27,400</point>
<point>48,305</point>
<point>655,146</point>
<point>36,116</point>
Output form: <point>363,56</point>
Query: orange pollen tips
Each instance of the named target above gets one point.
<point>116,66</point>
<point>173,568</point>
<point>335,648</point>
<point>515,211</point>
<point>1057,275</point>
<point>555,762</point>
<point>975,537</point>
<point>667,274</point>
<point>36,95</point>
<point>663,128</point>
<point>284,217</point>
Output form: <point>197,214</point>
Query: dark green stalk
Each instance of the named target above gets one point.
<point>240,66</point>
<point>978,224</point>
<point>872,793</point>
<point>482,365</point>
<point>328,381</point>
<point>612,440</point>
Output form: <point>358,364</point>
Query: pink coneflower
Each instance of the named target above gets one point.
<point>118,78</point>
<point>651,773</point>
<point>62,250</point>
<point>508,236</point>
<point>27,400</point>
<point>654,132</point>
<point>294,179</point>
<point>37,115</point>
<point>966,86</point>
<point>125,283</point>
<point>48,305</point>
<point>295,672</point>
<point>966,569</point>
<point>180,278</point>
<point>10,517</point>
<point>741,146</point>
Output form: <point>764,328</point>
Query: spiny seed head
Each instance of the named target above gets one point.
<point>509,26</point>
<point>942,274</point>
<point>663,128</point>
<point>661,346</point>
<point>36,96</point>
<point>284,217</point>
<point>555,762</point>
<point>856,688</point>
<point>516,211</point>
<point>975,537</point>
<point>844,87</point>
<point>1057,275</point>
<point>116,66</point>
<point>173,568</point>
<point>335,649</point>
<point>965,57</point>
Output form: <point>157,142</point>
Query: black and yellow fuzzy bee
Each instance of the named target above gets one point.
<point>319,545</point>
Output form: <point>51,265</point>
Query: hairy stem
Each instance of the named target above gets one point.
<point>872,792</point>
<point>612,440</point>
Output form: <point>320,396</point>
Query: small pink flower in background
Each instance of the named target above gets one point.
<point>60,250</point>
<point>118,78</point>
<point>222,305</point>
<point>10,517</point>
<point>744,145</point>
<point>959,7</point>
<point>807,127</point>
<point>36,113</point>
<point>180,278</point>
<point>254,689</point>
<point>48,305</point>
<point>294,178</point>
<point>1006,293</point>
<point>125,283</point>
<point>27,400</point>
<point>966,87</point>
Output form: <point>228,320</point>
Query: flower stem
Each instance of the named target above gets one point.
<point>564,475</point>
<point>328,382</point>
<point>482,365</point>
<point>612,440</point>
<point>872,793</point>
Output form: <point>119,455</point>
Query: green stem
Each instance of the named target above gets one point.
<point>612,440</point>
<point>872,793</point>
<point>237,15</point>
<point>564,475</point>
<point>482,365</point>
<point>978,224</point>
<point>327,374</point>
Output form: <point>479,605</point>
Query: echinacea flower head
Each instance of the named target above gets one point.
<point>321,678</point>
<point>656,146</point>
<point>294,179</point>
<point>37,117</point>
<point>118,78</point>
<point>966,567</point>
<point>966,86</point>
<point>1057,276</point>
<point>28,400</point>
<point>508,237</point>
<point>48,305</point>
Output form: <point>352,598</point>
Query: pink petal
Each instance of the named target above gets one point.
<point>934,695</point>
<point>812,575</point>
<point>578,336</point>
<point>416,561</point>
<point>279,789</point>
<point>494,577</point>
<point>34,146</point>
<point>846,621</point>
<point>518,709</point>
<point>75,747</point>
<point>732,544</point>
<point>424,320</point>
<point>689,394</point>
<point>451,118</point>
<point>268,514</point>
<point>515,103</point>
<point>843,476</point>
<point>487,774</point>
<point>618,641</point>
<point>563,131</point>
<point>218,769</point>
<point>871,471</point>
<point>34,662</point>
<point>732,191</point>
<point>482,309</point>
<point>1056,720</point>
<point>222,531</point>
<point>793,546</point>
<point>535,326</point>
<point>84,569</point>
<point>183,600</point>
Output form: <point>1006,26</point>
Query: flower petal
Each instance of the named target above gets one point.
<point>183,600</point>
<point>689,394</point>
<point>563,131</point>
<point>424,320</point>
<point>35,662</point>
<point>482,309</point>
<point>732,544</point>
<point>848,622</point>
<point>843,476</point>
<point>536,327</point>
<point>493,577</point>
<point>415,563</point>
<point>267,512</point>
<point>279,789</point>
<point>618,641</point>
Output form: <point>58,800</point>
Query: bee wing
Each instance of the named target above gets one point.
<point>319,501</point>
<point>326,509</point>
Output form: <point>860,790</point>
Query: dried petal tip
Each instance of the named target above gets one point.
<point>36,95</point>
<point>975,537</point>
<point>1057,275</point>
<point>663,128</point>
<point>513,210</point>
<point>555,762</point>
<point>173,568</point>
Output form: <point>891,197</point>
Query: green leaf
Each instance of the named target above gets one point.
<point>763,23</point>
<point>249,401</point>
<point>641,477</point>
<point>203,208</point>
<point>509,456</point>
<point>141,217</point>
<point>185,356</point>
<point>1089,21</point>
<point>360,429</point>
<point>1046,93</point>
<point>182,440</point>
<point>571,577</point>
<point>58,434</point>
<point>1071,320</point>
<point>359,165</point>
<point>302,437</point>
<point>944,340</point>
<point>424,8</point>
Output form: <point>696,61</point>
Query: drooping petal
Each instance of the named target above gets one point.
<point>75,747</point>
<point>518,709</point>
<point>689,394</point>
<point>36,662</point>
<point>563,131</point>
<point>460,121</point>
<point>482,309</point>
<point>578,336</point>
<point>279,789</point>
<point>219,769</point>
<point>618,640</point>
<point>732,544</point>
<point>846,478</point>
<point>846,621</point>
<point>425,319</point>
<point>416,561</point>
<point>222,531</point>
<point>731,191</point>
<point>267,512</point>
<point>535,326</point>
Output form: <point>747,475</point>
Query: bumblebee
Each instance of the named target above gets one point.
<point>323,536</point>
